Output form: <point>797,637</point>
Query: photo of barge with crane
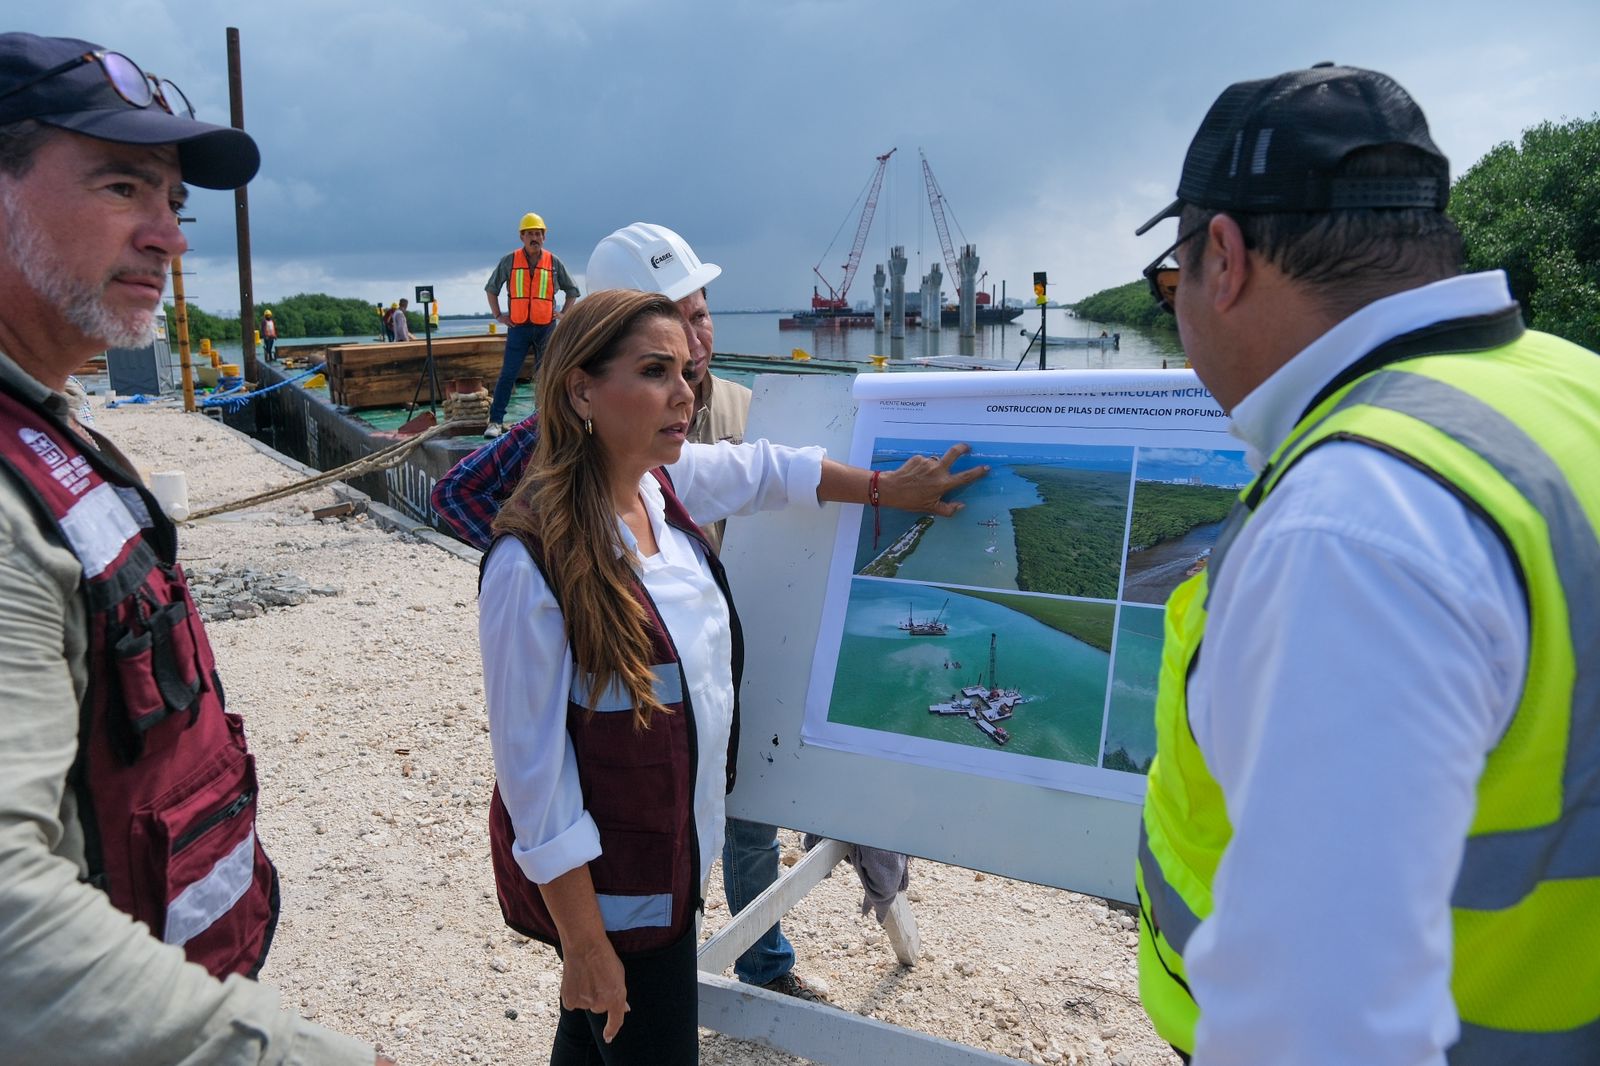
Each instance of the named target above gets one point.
<point>986,706</point>
<point>928,627</point>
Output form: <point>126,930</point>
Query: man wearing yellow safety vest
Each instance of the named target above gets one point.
<point>530,275</point>
<point>1372,828</point>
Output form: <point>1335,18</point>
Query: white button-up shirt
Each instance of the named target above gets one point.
<point>1365,648</point>
<point>528,667</point>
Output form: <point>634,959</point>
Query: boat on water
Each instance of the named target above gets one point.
<point>985,705</point>
<point>993,732</point>
<point>928,627</point>
<point>989,314</point>
<point>990,522</point>
<point>1199,564</point>
<point>1112,341</point>
<point>829,318</point>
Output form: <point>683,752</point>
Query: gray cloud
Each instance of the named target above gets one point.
<point>402,141</point>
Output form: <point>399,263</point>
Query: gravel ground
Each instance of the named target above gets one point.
<point>365,709</point>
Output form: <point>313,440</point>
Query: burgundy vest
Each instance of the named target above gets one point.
<point>638,786</point>
<point>166,790</point>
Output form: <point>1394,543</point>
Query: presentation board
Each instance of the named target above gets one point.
<point>976,690</point>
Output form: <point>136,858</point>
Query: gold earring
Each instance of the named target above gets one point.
<point>588,425</point>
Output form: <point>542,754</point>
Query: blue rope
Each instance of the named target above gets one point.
<point>235,399</point>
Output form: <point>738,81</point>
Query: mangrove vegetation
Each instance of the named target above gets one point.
<point>1130,305</point>
<point>1088,622</point>
<point>306,315</point>
<point>1071,544</point>
<point>1163,511</point>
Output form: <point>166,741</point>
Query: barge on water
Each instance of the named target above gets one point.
<point>984,705</point>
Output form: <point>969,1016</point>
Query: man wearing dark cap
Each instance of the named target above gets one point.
<point>135,900</point>
<point>1372,831</point>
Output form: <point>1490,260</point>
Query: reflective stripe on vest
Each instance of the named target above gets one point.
<point>532,297</point>
<point>1496,430</point>
<point>668,688</point>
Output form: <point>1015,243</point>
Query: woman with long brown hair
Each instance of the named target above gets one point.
<point>612,655</point>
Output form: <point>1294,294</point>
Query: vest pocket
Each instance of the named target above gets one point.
<point>208,886</point>
<point>634,871</point>
<point>141,696</point>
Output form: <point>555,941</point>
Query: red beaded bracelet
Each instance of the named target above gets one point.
<point>877,515</point>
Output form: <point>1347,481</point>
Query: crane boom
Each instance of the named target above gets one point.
<point>936,205</point>
<point>836,298</point>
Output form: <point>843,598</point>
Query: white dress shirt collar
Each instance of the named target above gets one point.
<point>1263,419</point>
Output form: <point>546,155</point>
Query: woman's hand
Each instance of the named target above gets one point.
<point>921,483</point>
<point>592,979</point>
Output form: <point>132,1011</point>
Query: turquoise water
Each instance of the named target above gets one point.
<point>1131,724</point>
<point>886,679</point>
<point>955,550</point>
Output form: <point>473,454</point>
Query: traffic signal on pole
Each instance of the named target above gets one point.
<point>1039,283</point>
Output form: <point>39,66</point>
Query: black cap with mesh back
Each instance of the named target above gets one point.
<point>1273,145</point>
<point>83,101</point>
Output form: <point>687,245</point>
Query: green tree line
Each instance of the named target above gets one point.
<point>1166,512</point>
<point>1088,622</point>
<point>1129,304</point>
<point>1072,543</point>
<point>1531,209</point>
<point>306,315</point>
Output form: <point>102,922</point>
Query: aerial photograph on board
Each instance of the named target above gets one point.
<point>1047,518</point>
<point>1180,498</point>
<point>1130,743</point>
<point>997,670</point>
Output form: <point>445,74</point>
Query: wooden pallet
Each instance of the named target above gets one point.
<point>386,375</point>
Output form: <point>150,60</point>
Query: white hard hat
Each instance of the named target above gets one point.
<point>648,257</point>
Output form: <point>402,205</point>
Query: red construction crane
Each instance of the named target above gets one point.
<point>836,298</point>
<point>936,206</point>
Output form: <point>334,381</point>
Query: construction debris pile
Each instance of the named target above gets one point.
<point>222,593</point>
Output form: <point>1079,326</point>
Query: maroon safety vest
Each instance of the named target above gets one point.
<point>166,790</point>
<point>638,786</point>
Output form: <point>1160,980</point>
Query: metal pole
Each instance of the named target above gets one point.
<point>181,309</point>
<point>241,212</point>
<point>1042,342</point>
<point>433,368</point>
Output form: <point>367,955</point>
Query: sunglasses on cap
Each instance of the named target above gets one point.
<point>1163,276</point>
<point>130,82</point>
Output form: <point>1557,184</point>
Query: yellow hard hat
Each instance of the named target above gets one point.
<point>530,221</point>
<point>268,312</point>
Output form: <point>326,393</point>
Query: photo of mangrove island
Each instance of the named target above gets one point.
<point>1048,518</point>
<point>1180,497</point>
<point>1131,723</point>
<point>994,670</point>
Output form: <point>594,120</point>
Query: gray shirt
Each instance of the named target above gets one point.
<point>81,981</point>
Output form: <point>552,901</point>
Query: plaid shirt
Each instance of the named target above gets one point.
<point>469,496</point>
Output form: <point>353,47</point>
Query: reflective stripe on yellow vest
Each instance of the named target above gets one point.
<point>1515,432</point>
<point>531,292</point>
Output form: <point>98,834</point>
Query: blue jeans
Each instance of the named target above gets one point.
<point>749,865</point>
<point>518,340</point>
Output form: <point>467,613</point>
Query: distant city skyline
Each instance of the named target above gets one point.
<point>1186,465</point>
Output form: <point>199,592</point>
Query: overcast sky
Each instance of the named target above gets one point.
<point>402,140</point>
